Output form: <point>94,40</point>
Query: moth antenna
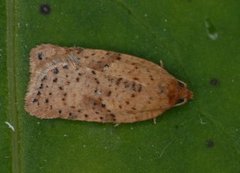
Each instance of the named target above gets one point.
<point>183,83</point>
<point>161,63</point>
<point>154,121</point>
<point>117,124</point>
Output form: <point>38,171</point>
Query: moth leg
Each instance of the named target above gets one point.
<point>161,63</point>
<point>154,121</point>
<point>117,124</point>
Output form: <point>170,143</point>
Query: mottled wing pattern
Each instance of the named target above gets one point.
<point>95,85</point>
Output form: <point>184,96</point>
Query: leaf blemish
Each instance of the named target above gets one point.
<point>45,9</point>
<point>214,82</point>
<point>210,143</point>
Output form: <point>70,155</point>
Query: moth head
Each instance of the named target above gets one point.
<point>183,93</point>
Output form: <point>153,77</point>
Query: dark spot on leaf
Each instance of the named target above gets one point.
<point>79,74</point>
<point>86,115</point>
<point>97,112</point>
<point>70,114</point>
<point>120,106</point>
<point>66,76</point>
<point>214,82</point>
<point>133,95</point>
<point>63,99</point>
<point>101,118</point>
<point>210,143</point>
<point>60,111</point>
<point>73,107</point>
<point>50,93</point>
<point>79,110</point>
<point>38,93</point>
<point>86,57</point>
<point>127,102</point>
<point>61,88</point>
<point>45,9</point>
<point>93,72</point>
<point>46,100</point>
<point>65,94</point>
<point>77,79</point>
<point>103,105</point>
<point>119,58</point>
<point>93,54</point>
<point>50,106</point>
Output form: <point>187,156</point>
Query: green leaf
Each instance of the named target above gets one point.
<point>198,41</point>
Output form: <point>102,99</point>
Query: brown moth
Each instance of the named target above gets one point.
<point>99,85</point>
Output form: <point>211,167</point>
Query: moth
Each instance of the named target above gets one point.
<point>99,86</point>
